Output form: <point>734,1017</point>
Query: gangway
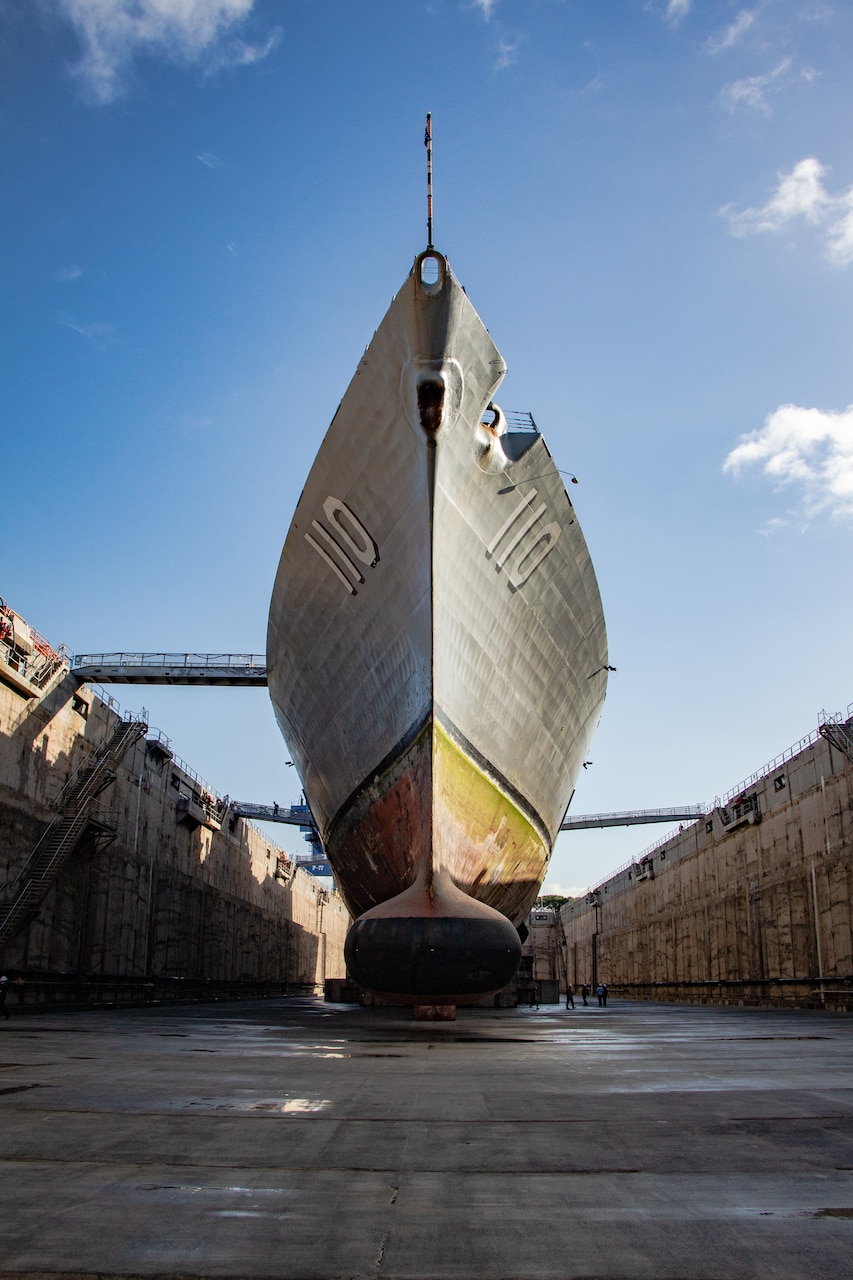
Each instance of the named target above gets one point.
<point>75,815</point>
<point>294,815</point>
<point>245,669</point>
<point>299,815</point>
<point>635,817</point>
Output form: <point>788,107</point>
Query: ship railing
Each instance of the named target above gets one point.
<point>520,420</point>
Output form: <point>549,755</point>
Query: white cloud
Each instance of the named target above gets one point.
<point>236,53</point>
<point>507,53</point>
<point>839,236</point>
<point>69,274</point>
<point>677,9</point>
<point>114,32</point>
<point>752,91</point>
<point>773,525</point>
<point>591,88</point>
<point>808,448</point>
<point>94,330</point>
<point>801,194</point>
<point>728,38</point>
<point>209,160</point>
<point>551,888</point>
<point>244,55</point>
<point>486,7</point>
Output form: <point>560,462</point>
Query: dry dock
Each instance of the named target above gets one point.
<point>752,904</point>
<point>292,1139</point>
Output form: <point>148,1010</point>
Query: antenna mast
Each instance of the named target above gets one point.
<point>428,145</point>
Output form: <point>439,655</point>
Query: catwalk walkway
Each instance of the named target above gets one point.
<point>292,1139</point>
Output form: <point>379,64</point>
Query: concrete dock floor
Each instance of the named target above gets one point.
<point>295,1139</point>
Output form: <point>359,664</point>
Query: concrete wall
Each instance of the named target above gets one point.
<point>162,902</point>
<point>750,913</point>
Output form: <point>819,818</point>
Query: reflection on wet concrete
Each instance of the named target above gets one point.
<point>293,1140</point>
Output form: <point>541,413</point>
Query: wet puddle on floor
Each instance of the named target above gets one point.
<point>271,1106</point>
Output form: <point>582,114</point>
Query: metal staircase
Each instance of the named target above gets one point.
<point>839,733</point>
<point>74,804</point>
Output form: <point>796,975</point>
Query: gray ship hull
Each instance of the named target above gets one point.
<point>437,652</point>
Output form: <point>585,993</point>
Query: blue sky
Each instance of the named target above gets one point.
<point>207,206</point>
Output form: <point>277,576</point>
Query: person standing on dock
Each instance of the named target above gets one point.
<point>570,996</point>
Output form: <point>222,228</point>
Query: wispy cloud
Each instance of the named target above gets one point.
<point>93,331</point>
<point>237,53</point>
<point>811,449</point>
<point>209,160</point>
<point>591,88</point>
<point>802,196</point>
<point>753,90</point>
<point>506,53</point>
<point>677,10</point>
<point>244,55</point>
<point>505,48</point>
<point>69,274</point>
<point>114,32</point>
<point>728,38</point>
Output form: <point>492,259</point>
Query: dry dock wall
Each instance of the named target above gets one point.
<point>751,904</point>
<point>158,899</point>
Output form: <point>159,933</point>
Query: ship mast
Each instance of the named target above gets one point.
<point>428,145</point>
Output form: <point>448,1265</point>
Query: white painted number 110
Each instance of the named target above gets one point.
<point>343,544</point>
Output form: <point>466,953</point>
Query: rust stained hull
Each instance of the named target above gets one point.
<point>434,807</point>
<point>436,653</point>
<point>384,837</point>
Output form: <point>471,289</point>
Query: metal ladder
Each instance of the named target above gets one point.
<point>840,734</point>
<point>24,894</point>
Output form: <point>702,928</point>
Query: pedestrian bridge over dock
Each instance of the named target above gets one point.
<point>172,668</point>
<point>250,669</point>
